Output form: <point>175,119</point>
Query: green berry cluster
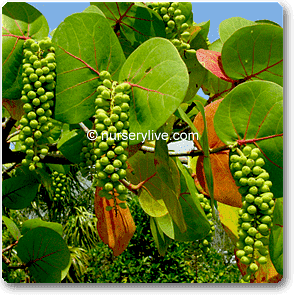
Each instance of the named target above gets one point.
<point>60,185</point>
<point>175,22</point>
<point>38,73</point>
<point>108,152</point>
<point>255,216</point>
<point>205,244</point>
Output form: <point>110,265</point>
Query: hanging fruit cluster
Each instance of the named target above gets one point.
<point>38,73</point>
<point>175,22</point>
<point>107,153</point>
<point>256,214</point>
<point>60,185</point>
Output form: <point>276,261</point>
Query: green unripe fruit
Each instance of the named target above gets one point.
<point>119,150</point>
<point>29,71</point>
<point>109,169</point>
<point>253,155</point>
<point>33,77</point>
<point>250,163</point>
<point>108,186</point>
<point>104,75</point>
<point>37,135</point>
<point>245,260</point>
<point>258,244</point>
<point>100,127</point>
<point>45,105</point>
<point>31,115</point>
<point>249,240</point>
<point>27,107</point>
<point>34,124</point>
<point>110,141</point>
<point>267,197</point>
<point>243,181</point>
<point>114,118</point>
<point>43,151</point>
<point>258,201</point>
<point>253,190</point>
<point>252,231</point>
<point>29,141</point>
<point>40,91</point>
<point>48,113</point>
<point>27,88</point>
<point>25,99</point>
<point>247,217</point>
<point>166,18</point>
<point>262,260</point>
<point>264,176</point>
<point>249,198</point>
<point>31,95</point>
<point>240,245</point>
<point>24,121</point>
<point>36,101</point>
<point>119,125</point>
<point>36,159</point>
<point>251,181</point>
<point>257,170</point>
<point>117,110</point>
<point>264,189</point>
<point>114,177</point>
<point>102,175</point>
<point>259,182</point>
<point>30,152</point>
<point>253,267</point>
<point>112,129</point>
<point>184,26</point>
<point>117,163</point>
<point>264,206</point>
<point>40,111</point>
<point>247,150</point>
<point>33,58</point>
<point>107,121</point>
<point>123,116</point>
<point>27,130</point>
<point>266,219</point>
<point>260,162</point>
<point>120,188</point>
<point>248,249</point>
<point>104,161</point>
<point>122,173</point>
<point>251,209</point>
<point>124,107</point>
<point>263,251</point>
<point>105,94</point>
<point>246,225</point>
<point>262,228</point>
<point>240,253</point>
<point>45,128</point>
<point>31,168</point>
<point>37,64</point>
<point>246,170</point>
<point>234,158</point>
<point>45,70</point>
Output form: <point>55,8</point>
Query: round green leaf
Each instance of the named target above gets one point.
<point>159,81</point>
<point>253,113</point>
<point>254,52</point>
<point>34,223</point>
<point>12,227</point>
<point>45,253</point>
<point>20,21</point>
<point>18,192</point>
<point>85,46</point>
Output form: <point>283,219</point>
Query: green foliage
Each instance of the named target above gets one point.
<point>183,262</point>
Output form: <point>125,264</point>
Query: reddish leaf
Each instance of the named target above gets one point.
<point>211,60</point>
<point>225,189</point>
<point>14,107</point>
<point>115,230</point>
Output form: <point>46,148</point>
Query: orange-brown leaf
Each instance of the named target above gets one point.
<point>14,107</point>
<point>225,189</point>
<point>115,230</point>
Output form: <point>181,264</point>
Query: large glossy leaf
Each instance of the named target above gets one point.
<point>161,240</point>
<point>20,21</point>
<point>34,223</point>
<point>136,21</point>
<point>164,172</point>
<point>254,53</point>
<point>141,167</point>
<point>253,113</point>
<point>45,253</point>
<point>12,227</point>
<point>70,143</point>
<point>85,45</point>
<point>18,192</point>
<point>229,26</point>
<point>276,237</point>
<point>197,226</point>
<point>14,107</point>
<point>155,71</point>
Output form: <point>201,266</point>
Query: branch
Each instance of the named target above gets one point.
<point>134,188</point>
<point>9,247</point>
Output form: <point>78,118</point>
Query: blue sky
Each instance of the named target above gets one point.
<point>216,12</point>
